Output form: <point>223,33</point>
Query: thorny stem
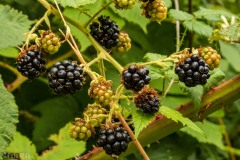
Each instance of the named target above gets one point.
<point>226,137</point>
<point>96,14</point>
<point>138,145</point>
<point>9,67</point>
<point>183,36</point>
<point>177,28</point>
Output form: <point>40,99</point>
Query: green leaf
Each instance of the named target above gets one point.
<point>9,52</point>
<point>216,77</point>
<point>213,134</point>
<point>15,23</point>
<point>22,145</point>
<point>178,117</point>
<point>8,117</point>
<point>74,3</point>
<point>199,27</point>
<point>155,72</point>
<point>231,53</point>
<point>154,56</point>
<point>66,108</point>
<point>180,15</point>
<point>65,148</point>
<point>133,15</point>
<point>212,15</point>
<point>168,3</point>
<point>195,94</point>
<point>141,120</point>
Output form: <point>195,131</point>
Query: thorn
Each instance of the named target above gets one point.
<point>200,113</point>
<point>208,105</point>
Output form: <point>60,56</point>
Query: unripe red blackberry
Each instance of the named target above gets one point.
<point>105,32</point>
<point>135,77</point>
<point>30,62</point>
<point>101,91</point>
<point>66,77</point>
<point>81,130</point>
<point>211,57</point>
<point>93,111</point>
<point>155,10</point>
<point>49,41</point>
<point>124,4</point>
<point>147,100</point>
<point>124,43</point>
<point>113,140</point>
<point>193,71</point>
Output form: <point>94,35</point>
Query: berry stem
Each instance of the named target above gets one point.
<point>96,14</point>
<point>177,28</point>
<point>16,83</point>
<point>90,73</point>
<point>94,60</point>
<point>168,88</point>
<point>138,145</point>
<point>9,67</point>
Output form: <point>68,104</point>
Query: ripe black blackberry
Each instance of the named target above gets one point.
<point>114,140</point>
<point>30,62</point>
<point>193,71</point>
<point>135,77</point>
<point>105,32</point>
<point>147,100</point>
<point>65,77</point>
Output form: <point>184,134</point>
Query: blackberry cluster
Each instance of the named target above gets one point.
<point>92,111</point>
<point>105,32</point>
<point>114,140</point>
<point>155,10</point>
<point>135,77</point>
<point>65,77</point>
<point>49,42</point>
<point>147,100</point>
<point>101,91</point>
<point>211,57</point>
<point>124,4</point>
<point>81,130</point>
<point>193,71</point>
<point>124,43</point>
<point>30,63</point>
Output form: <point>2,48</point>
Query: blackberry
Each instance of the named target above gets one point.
<point>81,130</point>
<point>155,10</point>
<point>211,57</point>
<point>65,77</point>
<point>114,140</point>
<point>135,77</point>
<point>124,4</point>
<point>193,71</point>
<point>101,91</point>
<point>105,32</point>
<point>92,111</point>
<point>147,100</point>
<point>30,62</point>
<point>124,43</point>
<point>49,41</point>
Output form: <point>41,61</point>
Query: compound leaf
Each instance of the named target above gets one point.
<point>8,117</point>
<point>13,22</point>
<point>180,15</point>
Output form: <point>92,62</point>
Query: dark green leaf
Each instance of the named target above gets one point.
<point>180,15</point>
<point>199,27</point>
<point>216,77</point>
<point>8,117</point>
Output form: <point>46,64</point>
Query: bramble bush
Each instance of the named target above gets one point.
<point>126,79</point>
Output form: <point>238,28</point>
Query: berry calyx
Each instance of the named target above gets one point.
<point>101,91</point>
<point>66,77</point>
<point>105,32</point>
<point>193,71</point>
<point>81,130</point>
<point>113,140</point>
<point>155,10</point>
<point>211,57</point>
<point>93,111</point>
<point>30,62</point>
<point>124,43</point>
<point>135,77</point>
<point>147,100</point>
<point>124,4</point>
<point>49,41</point>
